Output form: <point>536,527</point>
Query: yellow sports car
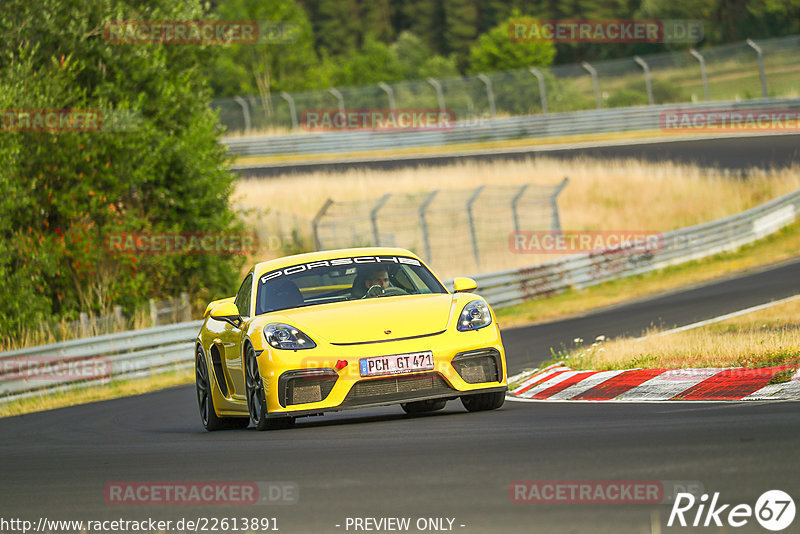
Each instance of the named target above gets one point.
<point>342,329</point>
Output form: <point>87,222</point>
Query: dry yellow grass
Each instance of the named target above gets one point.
<point>767,337</point>
<point>601,194</point>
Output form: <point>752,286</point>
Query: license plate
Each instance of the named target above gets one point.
<point>396,364</point>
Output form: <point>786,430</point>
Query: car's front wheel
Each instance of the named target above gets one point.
<point>431,405</point>
<point>205,400</point>
<point>483,401</point>
<point>256,399</point>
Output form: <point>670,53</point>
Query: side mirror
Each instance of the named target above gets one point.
<point>462,284</point>
<point>227,312</point>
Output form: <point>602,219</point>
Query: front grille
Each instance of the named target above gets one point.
<point>396,388</point>
<point>300,387</point>
<point>478,366</point>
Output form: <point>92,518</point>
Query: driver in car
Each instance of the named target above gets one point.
<point>377,283</point>
<point>378,277</point>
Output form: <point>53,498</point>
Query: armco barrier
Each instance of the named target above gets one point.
<point>94,360</point>
<point>506,288</point>
<point>500,129</point>
<point>153,350</point>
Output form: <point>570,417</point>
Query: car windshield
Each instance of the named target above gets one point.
<point>343,279</point>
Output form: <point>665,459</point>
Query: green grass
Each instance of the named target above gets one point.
<point>782,376</point>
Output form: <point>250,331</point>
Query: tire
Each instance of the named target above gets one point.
<point>205,400</point>
<point>256,399</point>
<point>483,401</point>
<point>426,406</point>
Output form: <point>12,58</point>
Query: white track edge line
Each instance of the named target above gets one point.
<point>721,317</point>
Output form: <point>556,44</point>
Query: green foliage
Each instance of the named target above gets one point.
<point>495,50</point>
<point>374,63</point>
<point>627,97</point>
<point>62,194</point>
<point>417,61</point>
<point>337,40</point>
<point>275,65</point>
<point>634,93</point>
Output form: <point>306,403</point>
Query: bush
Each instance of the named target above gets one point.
<point>63,193</point>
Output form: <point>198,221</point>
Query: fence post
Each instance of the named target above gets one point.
<point>292,110</point>
<point>489,93</point>
<point>556,221</point>
<point>373,215</point>
<point>752,44</point>
<point>439,95</point>
<point>542,90</point>
<point>186,308</point>
<point>339,98</point>
<point>315,222</point>
<point>703,75</point>
<point>84,317</point>
<point>153,313</point>
<point>118,318</point>
<point>514,203</point>
<point>424,225</point>
<point>595,83</point>
<point>245,112</point>
<point>648,85</point>
<point>389,92</point>
<point>473,235</point>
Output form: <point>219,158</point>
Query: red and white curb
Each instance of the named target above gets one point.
<point>558,382</point>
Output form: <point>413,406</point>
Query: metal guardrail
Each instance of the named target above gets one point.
<point>96,360</point>
<point>487,130</point>
<point>84,362</point>
<point>506,288</point>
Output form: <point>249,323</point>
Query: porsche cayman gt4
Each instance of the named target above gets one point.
<point>343,329</point>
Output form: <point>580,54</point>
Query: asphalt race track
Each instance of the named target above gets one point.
<point>531,345</point>
<point>452,464</point>
<point>731,152</point>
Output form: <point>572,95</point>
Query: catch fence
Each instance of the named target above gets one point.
<point>469,224</point>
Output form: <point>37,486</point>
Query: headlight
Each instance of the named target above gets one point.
<point>283,336</point>
<point>475,315</point>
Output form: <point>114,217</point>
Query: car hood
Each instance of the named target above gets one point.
<point>368,320</point>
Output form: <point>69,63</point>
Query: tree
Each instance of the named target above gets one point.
<point>418,62</point>
<point>277,63</point>
<point>155,164</point>
<point>460,28</point>
<point>495,50</point>
<point>374,63</point>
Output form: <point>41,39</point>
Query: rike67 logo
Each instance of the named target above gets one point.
<point>774,510</point>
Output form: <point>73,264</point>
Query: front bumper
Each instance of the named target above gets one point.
<point>307,382</point>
